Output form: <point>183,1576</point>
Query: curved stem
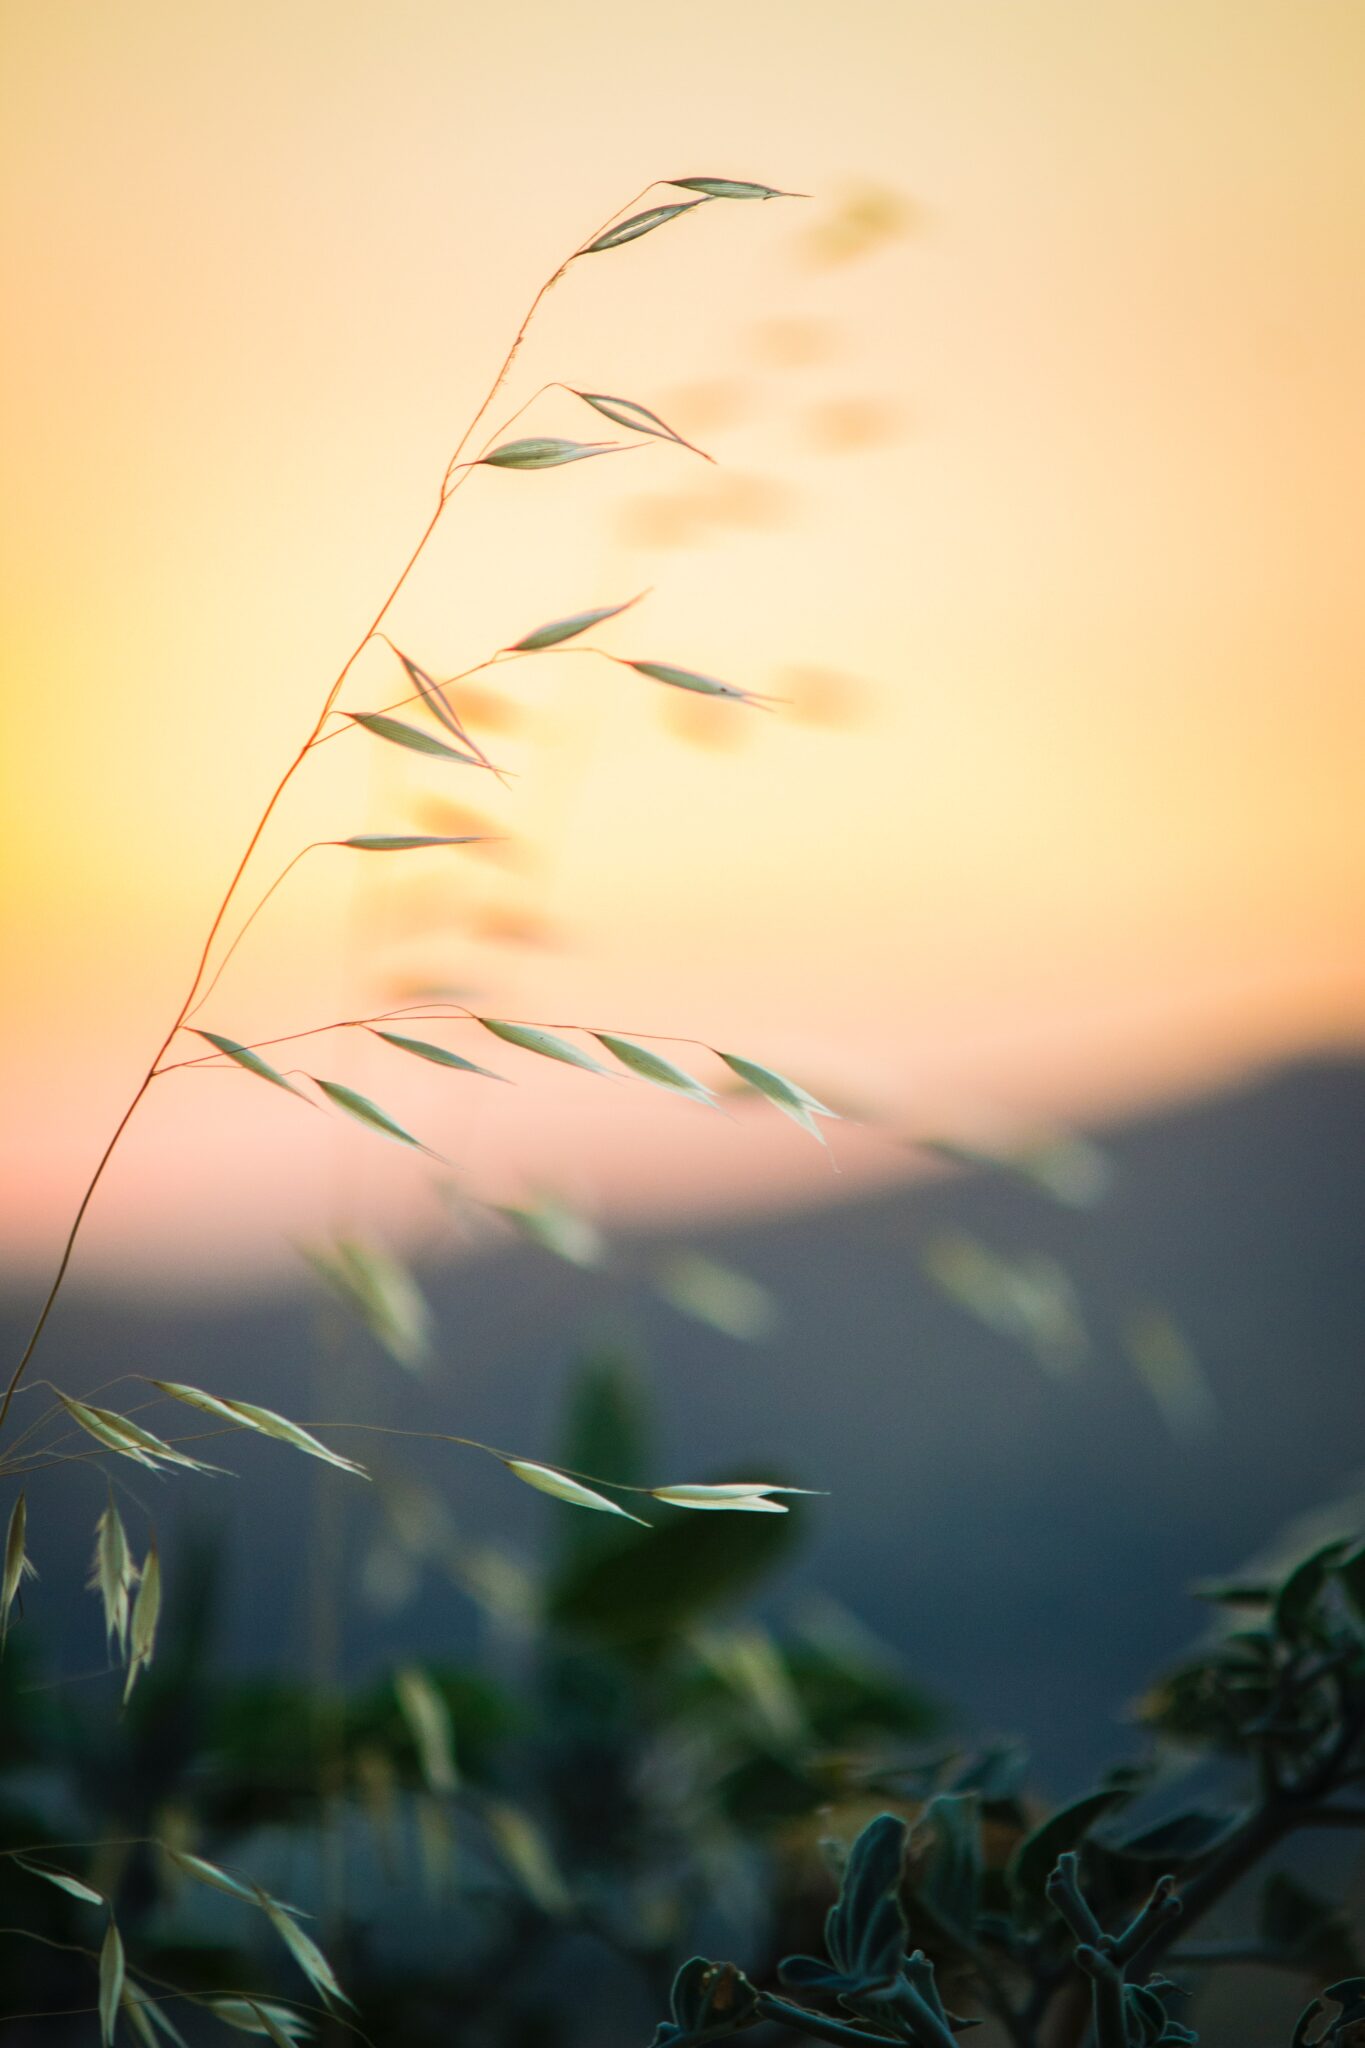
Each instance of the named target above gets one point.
<point>446,492</point>
<point>202,963</point>
<point>284,873</point>
<point>448,489</point>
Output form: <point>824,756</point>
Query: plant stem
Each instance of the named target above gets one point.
<point>447,491</point>
<point>207,948</point>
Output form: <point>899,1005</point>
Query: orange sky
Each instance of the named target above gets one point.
<point>1040,431</point>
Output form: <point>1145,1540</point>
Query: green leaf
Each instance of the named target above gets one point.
<point>528,1855</point>
<point>568,628</point>
<point>111,1982</point>
<point>113,1574</point>
<point>733,188</point>
<point>150,2020</point>
<point>146,1615</point>
<point>949,1881</point>
<point>17,1567</point>
<point>432,695</point>
<point>428,1719</point>
<point>256,2015</point>
<point>117,1433</point>
<point>441,709</point>
<point>369,1113</point>
<point>206,1873</point>
<point>717,1295</point>
<point>270,2026</point>
<point>1298,1595</point>
<point>639,224</point>
<point>628,412</point>
<point>304,1950</point>
<point>738,1496</point>
<point>689,679</point>
<point>379,1290</point>
<point>1037,1853</point>
<point>664,1579</point>
<point>531,1038</point>
<point>785,1095</point>
<point>559,1485</point>
<point>404,842</point>
<point>544,452</point>
<point>558,1229</point>
<point>63,1881</point>
<point>252,1061</point>
<point>401,734</point>
<point>652,1066</point>
<point>1233,1592</point>
<point>423,1049</point>
<point>1350,1570</point>
<point>865,1931</point>
<point>708,2001</point>
<point>246,1415</point>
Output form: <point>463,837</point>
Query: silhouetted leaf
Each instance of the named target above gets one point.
<point>707,2002</point>
<point>1298,1595</point>
<point>865,1932</point>
<point>663,1578</point>
<point>1350,1571</point>
<point>1181,1836</point>
<point>949,1880</point>
<point>1037,1853</point>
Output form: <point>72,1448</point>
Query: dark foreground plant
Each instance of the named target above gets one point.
<point>534,1838</point>
<point>1058,1939</point>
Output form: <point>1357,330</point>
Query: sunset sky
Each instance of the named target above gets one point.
<point>1040,436</point>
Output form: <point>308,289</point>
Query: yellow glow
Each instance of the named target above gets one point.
<point>1040,431</point>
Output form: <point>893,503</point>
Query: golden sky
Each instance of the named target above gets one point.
<point>1040,431</point>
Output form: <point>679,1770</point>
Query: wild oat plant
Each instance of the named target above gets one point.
<point>1054,1929</point>
<point>128,1577</point>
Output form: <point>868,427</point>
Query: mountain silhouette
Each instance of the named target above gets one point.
<point>1022,1538</point>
